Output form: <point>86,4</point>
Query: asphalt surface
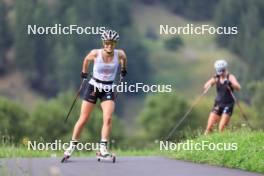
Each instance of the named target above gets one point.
<point>124,166</point>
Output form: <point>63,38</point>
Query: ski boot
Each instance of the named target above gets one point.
<point>104,155</point>
<point>69,150</point>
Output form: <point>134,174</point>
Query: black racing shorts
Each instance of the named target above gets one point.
<point>220,109</point>
<point>91,94</point>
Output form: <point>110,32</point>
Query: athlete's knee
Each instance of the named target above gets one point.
<point>210,123</point>
<point>107,120</point>
<point>208,130</point>
<point>209,127</point>
<point>221,127</point>
<point>82,120</point>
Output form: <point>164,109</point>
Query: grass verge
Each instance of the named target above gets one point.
<point>248,155</point>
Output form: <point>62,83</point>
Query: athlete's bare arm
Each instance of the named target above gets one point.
<point>89,57</point>
<point>122,59</point>
<point>210,82</point>
<point>234,83</point>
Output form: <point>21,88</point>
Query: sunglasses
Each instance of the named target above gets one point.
<point>221,71</point>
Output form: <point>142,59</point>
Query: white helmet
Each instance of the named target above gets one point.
<point>220,66</point>
<point>110,35</point>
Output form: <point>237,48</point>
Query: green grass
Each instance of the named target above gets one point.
<point>248,156</point>
<point>14,151</point>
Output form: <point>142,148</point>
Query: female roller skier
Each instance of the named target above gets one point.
<point>106,62</point>
<point>224,102</point>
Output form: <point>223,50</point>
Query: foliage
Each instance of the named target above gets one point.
<point>203,109</point>
<point>173,43</point>
<point>257,94</point>
<point>247,16</point>
<point>46,122</point>
<point>196,10</point>
<point>49,118</point>
<point>13,120</point>
<point>52,61</point>
<point>247,156</point>
<point>163,111</point>
<point>160,114</point>
<point>5,38</point>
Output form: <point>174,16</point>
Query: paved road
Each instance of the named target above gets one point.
<point>125,166</point>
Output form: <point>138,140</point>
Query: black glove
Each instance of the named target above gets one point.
<point>228,83</point>
<point>123,72</point>
<point>84,75</point>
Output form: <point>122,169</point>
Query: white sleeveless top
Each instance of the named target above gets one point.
<point>104,71</point>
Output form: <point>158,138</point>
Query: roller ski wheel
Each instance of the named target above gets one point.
<point>100,157</point>
<point>65,158</point>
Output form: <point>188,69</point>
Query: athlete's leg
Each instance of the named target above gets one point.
<point>84,116</point>
<point>86,109</point>
<point>224,122</point>
<point>213,118</point>
<point>108,108</point>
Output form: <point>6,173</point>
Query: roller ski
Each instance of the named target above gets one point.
<point>68,151</point>
<point>65,158</point>
<point>110,157</point>
<point>104,155</point>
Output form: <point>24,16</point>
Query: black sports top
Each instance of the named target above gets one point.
<point>224,96</point>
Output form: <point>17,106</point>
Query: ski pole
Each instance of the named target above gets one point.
<point>187,113</point>
<point>74,101</point>
<point>119,82</point>
<point>242,113</point>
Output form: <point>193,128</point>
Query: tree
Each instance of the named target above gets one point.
<point>257,94</point>
<point>13,120</point>
<point>197,10</point>
<point>49,118</point>
<point>247,16</point>
<point>173,43</point>
<point>51,62</point>
<point>257,62</point>
<point>162,111</point>
<point>5,38</point>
